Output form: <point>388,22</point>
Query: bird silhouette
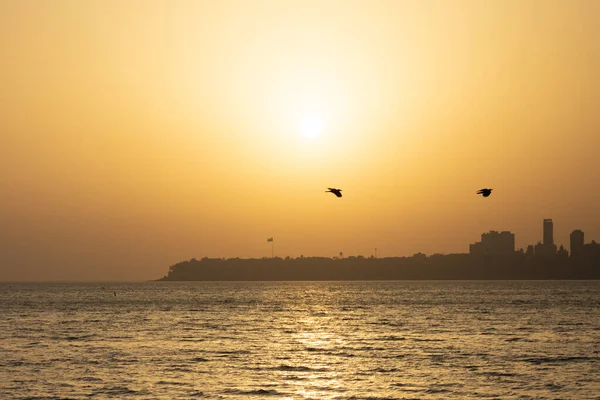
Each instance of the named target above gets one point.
<point>485,192</point>
<point>337,192</point>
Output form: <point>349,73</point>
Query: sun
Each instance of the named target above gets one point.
<point>311,126</point>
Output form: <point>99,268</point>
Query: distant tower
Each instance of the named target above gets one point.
<point>576,242</point>
<point>548,232</point>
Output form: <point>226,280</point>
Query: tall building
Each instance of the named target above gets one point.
<point>577,241</point>
<point>547,248</point>
<point>494,243</point>
<point>548,232</point>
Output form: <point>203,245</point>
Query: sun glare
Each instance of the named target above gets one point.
<point>311,126</point>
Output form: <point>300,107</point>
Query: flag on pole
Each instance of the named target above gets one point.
<point>270,239</point>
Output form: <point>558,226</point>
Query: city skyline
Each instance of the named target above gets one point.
<point>506,238</point>
<point>503,243</point>
<point>494,257</point>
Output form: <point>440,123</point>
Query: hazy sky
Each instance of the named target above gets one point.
<point>136,134</point>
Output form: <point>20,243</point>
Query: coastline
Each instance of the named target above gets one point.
<point>419,267</point>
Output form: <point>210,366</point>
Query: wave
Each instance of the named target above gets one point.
<point>261,392</point>
<point>114,391</point>
<point>407,387</point>
<point>394,356</point>
<point>554,387</point>
<point>297,368</point>
<point>343,354</point>
<point>498,374</point>
<point>48,398</point>
<point>364,348</point>
<point>295,378</point>
<point>567,323</point>
<point>89,379</point>
<point>437,391</point>
<point>518,339</point>
<point>384,370</point>
<point>174,383</point>
<point>232,352</point>
<point>391,338</point>
<point>179,369</point>
<point>550,360</point>
<point>72,338</point>
<point>36,345</point>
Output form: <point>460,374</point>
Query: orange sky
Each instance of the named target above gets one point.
<point>141,133</point>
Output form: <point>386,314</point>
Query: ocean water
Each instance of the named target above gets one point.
<point>301,340</point>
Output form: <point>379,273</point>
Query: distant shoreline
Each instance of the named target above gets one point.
<point>419,267</point>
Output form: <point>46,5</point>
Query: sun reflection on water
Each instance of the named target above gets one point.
<point>316,377</point>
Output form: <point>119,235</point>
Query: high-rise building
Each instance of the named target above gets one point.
<point>494,243</point>
<point>547,248</point>
<point>548,232</point>
<point>577,241</point>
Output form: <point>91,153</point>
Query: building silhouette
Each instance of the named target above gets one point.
<point>577,243</point>
<point>548,232</point>
<point>591,251</point>
<point>494,243</point>
<point>540,249</point>
<point>547,248</point>
<point>562,252</point>
<point>530,251</point>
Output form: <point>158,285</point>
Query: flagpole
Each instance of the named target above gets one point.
<point>272,246</point>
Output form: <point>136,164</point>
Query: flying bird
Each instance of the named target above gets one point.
<point>337,192</point>
<point>485,192</point>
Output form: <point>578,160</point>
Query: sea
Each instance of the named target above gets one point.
<point>301,340</point>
